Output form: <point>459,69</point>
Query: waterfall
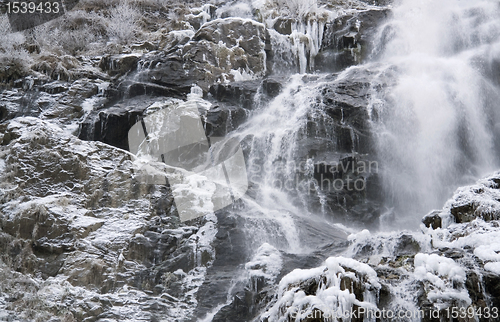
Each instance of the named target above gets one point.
<point>273,137</point>
<point>437,127</point>
<point>435,124</point>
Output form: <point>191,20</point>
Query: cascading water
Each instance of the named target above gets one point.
<point>279,170</point>
<point>437,127</point>
<point>434,124</point>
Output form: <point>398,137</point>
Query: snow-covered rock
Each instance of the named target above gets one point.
<point>83,238</point>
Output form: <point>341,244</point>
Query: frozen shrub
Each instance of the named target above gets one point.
<point>73,34</point>
<point>123,22</point>
<point>14,59</point>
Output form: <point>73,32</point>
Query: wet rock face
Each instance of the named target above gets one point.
<point>340,140</point>
<point>119,65</point>
<point>231,105</point>
<point>110,125</point>
<point>348,40</point>
<point>240,94</point>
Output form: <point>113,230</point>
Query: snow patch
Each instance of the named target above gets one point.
<point>266,262</point>
<point>329,297</point>
<point>429,267</point>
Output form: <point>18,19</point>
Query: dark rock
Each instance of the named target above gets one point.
<point>492,287</point>
<point>272,86</point>
<point>58,245</point>
<point>167,71</point>
<point>153,248</point>
<point>51,265</point>
<point>345,104</point>
<point>454,253</point>
<point>84,88</point>
<point>474,287</point>
<point>343,126</point>
<point>239,93</point>
<point>218,47</point>
<point>111,125</point>
<point>232,251</point>
<point>128,89</point>
<point>468,212</point>
<point>407,245</point>
<point>385,296</point>
<point>433,220</point>
<point>236,311</point>
<point>463,213</point>
<point>346,40</point>
<point>222,119</point>
<point>284,25</point>
<point>118,65</point>
<point>55,87</point>
<point>495,183</point>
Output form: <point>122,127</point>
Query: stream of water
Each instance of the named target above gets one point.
<point>435,126</point>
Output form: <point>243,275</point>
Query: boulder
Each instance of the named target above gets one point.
<point>217,48</point>
<point>348,39</point>
<point>284,25</point>
<point>477,201</point>
<point>119,65</point>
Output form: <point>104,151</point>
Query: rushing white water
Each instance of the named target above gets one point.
<point>436,127</point>
<point>274,135</point>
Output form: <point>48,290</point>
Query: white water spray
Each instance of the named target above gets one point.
<point>436,127</point>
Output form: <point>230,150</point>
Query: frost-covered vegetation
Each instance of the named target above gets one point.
<point>92,28</point>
